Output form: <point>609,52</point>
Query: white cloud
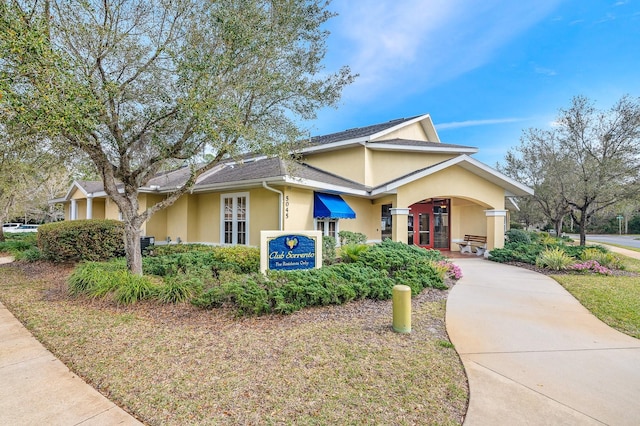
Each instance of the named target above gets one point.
<point>418,44</point>
<point>473,123</point>
<point>545,71</point>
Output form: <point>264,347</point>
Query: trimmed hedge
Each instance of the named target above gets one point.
<point>76,240</point>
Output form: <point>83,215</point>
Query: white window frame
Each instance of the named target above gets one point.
<point>318,220</point>
<point>234,231</point>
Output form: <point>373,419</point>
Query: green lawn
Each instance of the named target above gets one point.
<point>613,299</point>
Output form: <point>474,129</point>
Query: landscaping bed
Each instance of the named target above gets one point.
<point>179,364</point>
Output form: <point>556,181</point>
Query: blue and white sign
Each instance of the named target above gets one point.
<point>284,251</point>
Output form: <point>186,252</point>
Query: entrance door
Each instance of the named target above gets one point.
<point>429,224</point>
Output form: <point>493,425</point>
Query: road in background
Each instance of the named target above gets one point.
<point>623,240</point>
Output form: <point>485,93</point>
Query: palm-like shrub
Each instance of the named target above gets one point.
<point>555,259</point>
<point>606,259</point>
<point>351,252</point>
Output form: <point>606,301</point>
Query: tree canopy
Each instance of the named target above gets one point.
<point>589,160</point>
<point>142,85</point>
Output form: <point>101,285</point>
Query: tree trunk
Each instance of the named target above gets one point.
<point>583,228</point>
<point>558,226</point>
<point>132,248</point>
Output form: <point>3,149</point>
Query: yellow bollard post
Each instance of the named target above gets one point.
<point>402,309</point>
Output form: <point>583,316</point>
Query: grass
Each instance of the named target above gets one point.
<point>176,364</point>
<point>615,300</point>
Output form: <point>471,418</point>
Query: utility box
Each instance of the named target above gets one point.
<point>146,242</point>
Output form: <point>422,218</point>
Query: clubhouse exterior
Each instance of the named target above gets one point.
<point>390,180</point>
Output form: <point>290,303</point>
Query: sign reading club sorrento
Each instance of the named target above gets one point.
<point>290,250</point>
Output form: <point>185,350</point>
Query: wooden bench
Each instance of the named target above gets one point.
<point>470,241</point>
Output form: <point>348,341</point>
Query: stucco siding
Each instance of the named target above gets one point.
<point>367,219</point>
<point>454,182</point>
<point>347,163</point>
<point>263,213</point>
<point>156,226</point>
<point>413,132</point>
<point>299,203</point>
<point>177,219</point>
<point>208,218</point>
<point>388,165</point>
<point>98,211</point>
<point>111,210</point>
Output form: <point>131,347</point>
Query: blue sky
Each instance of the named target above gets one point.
<point>484,70</point>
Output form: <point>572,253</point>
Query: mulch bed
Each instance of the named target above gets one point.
<point>545,271</point>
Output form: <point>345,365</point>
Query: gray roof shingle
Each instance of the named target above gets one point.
<point>272,168</point>
<point>358,132</point>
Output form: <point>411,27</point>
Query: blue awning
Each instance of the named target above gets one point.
<point>331,206</point>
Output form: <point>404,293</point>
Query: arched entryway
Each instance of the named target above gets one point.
<point>429,224</point>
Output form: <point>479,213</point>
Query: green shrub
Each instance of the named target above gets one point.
<point>77,240</point>
<point>241,259</point>
<point>348,237</point>
<point>247,293</point>
<point>548,240</point>
<point>405,264</point>
<point>352,252</point>
<point>205,262</point>
<point>515,235</point>
<point>18,243</point>
<point>286,292</point>
<point>371,276</point>
<point>328,250</point>
<point>555,259</point>
<point>100,279</point>
<point>133,288</point>
<point>96,278</point>
<point>168,249</point>
<point>603,257</point>
<point>197,262</point>
<point>211,298</point>
<point>179,288</point>
<point>516,252</point>
<point>32,254</point>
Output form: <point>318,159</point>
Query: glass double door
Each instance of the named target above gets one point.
<point>428,224</point>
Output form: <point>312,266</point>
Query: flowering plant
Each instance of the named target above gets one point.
<point>591,265</point>
<point>453,271</point>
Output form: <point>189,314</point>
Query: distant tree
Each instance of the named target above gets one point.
<point>537,162</point>
<point>589,161</point>
<point>27,170</point>
<point>528,213</point>
<point>141,85</point>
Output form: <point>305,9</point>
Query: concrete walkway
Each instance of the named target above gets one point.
<point>535,356</point>
<point>38,389</point>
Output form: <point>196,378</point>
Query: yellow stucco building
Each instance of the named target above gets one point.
<point>391,180</point>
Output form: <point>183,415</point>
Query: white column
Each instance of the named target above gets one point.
<point>399,228</point>
<point>89,207</point>
<point>495,228</point>
<point>73,213</point>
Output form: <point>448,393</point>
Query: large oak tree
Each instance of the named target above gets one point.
<point>141,85</point>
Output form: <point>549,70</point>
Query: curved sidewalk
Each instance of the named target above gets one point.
<point>535,356</point>
<point>38,389</point>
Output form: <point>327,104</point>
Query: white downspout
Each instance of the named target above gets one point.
<point>280,196</point>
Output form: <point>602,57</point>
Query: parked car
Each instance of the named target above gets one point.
<point>7,227</point>
<point>24,228</point>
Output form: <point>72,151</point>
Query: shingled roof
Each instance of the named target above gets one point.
<point>358,132</point>
<point>271,168</point>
